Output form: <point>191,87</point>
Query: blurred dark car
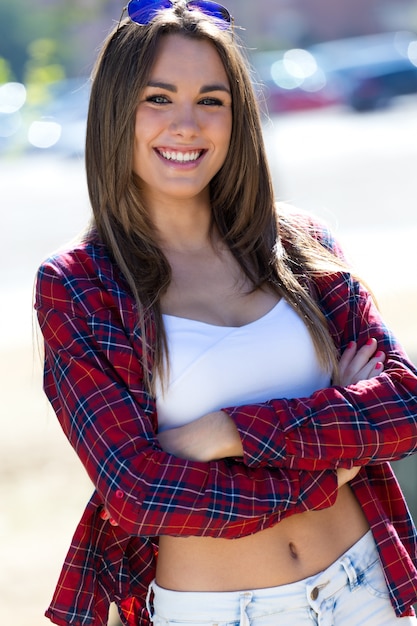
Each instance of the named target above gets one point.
<point>291,80</point>
<point>370,70</point>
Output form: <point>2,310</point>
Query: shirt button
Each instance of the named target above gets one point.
<point>314,593</point>
<point>120,494</point>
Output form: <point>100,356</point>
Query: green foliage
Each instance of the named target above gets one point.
<point>41,69</point>
<point>41,32</point>
<point>5,71</point>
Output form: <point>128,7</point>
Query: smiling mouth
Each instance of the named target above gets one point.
<point>180,157</point>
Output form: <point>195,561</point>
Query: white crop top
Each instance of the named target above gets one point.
<point>216,366</point>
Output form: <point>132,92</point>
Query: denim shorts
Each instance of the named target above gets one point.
<point>350,592</point>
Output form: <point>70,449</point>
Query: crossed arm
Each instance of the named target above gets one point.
<point>93,379</point>
<point>215,436</point>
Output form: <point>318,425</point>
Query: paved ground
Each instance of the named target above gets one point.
<point>359,172</point>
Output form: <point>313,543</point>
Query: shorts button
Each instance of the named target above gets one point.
<point>314,593</point>
<point>120,494</point>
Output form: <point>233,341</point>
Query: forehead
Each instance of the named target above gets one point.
<point>186,56</point>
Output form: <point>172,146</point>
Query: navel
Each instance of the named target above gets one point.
<point>293,550</point>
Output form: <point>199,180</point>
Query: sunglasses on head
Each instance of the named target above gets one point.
<point>143,11</point>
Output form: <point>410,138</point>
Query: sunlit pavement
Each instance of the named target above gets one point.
<point>357,172</point>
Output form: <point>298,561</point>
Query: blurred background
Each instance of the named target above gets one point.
<point>337,84</point>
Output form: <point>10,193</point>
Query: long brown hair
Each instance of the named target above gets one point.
<point>241,192</point>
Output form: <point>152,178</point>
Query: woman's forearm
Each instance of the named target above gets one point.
<point>215,435</point>
<point>209,438</point>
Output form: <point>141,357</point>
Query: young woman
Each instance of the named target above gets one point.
<point>192,292</point>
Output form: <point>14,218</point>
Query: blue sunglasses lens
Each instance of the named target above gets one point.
<point>143,11</point>
<point>213,9</point>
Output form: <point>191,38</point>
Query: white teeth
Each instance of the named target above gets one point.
<point>181,157</point>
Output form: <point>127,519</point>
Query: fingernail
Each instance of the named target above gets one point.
<point>379,354</point>
<point>369,342</point>
<point>351,345</point>
<point>113,522</point>
<point>103,514</point>
<point>378,366</point>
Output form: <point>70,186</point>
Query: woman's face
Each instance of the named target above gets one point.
<point>183,122</point>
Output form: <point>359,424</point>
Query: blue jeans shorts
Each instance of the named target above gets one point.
<point>351,592</point>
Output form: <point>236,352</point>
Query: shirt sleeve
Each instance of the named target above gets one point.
<point>372,421</point>
<point>93,379</point>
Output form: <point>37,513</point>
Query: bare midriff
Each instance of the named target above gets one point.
<point>299,546</point>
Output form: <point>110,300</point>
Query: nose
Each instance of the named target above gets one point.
<point>185,121</point>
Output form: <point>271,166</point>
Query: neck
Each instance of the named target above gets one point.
<point>183,228</point>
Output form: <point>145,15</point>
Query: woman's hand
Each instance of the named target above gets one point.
<point>215,435</point>
<point>356,365</point>
<point>362,364</point>
<point>346,475</point>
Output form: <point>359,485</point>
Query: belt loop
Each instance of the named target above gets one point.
<point>148,600</point>
<point>350,572</point>
<point>245,599</point>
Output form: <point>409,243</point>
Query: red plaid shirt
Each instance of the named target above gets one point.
<point>93,378</point>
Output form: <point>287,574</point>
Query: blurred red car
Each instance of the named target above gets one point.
<point>292,80</point>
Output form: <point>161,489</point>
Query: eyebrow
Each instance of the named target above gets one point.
<point>203,89</point>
